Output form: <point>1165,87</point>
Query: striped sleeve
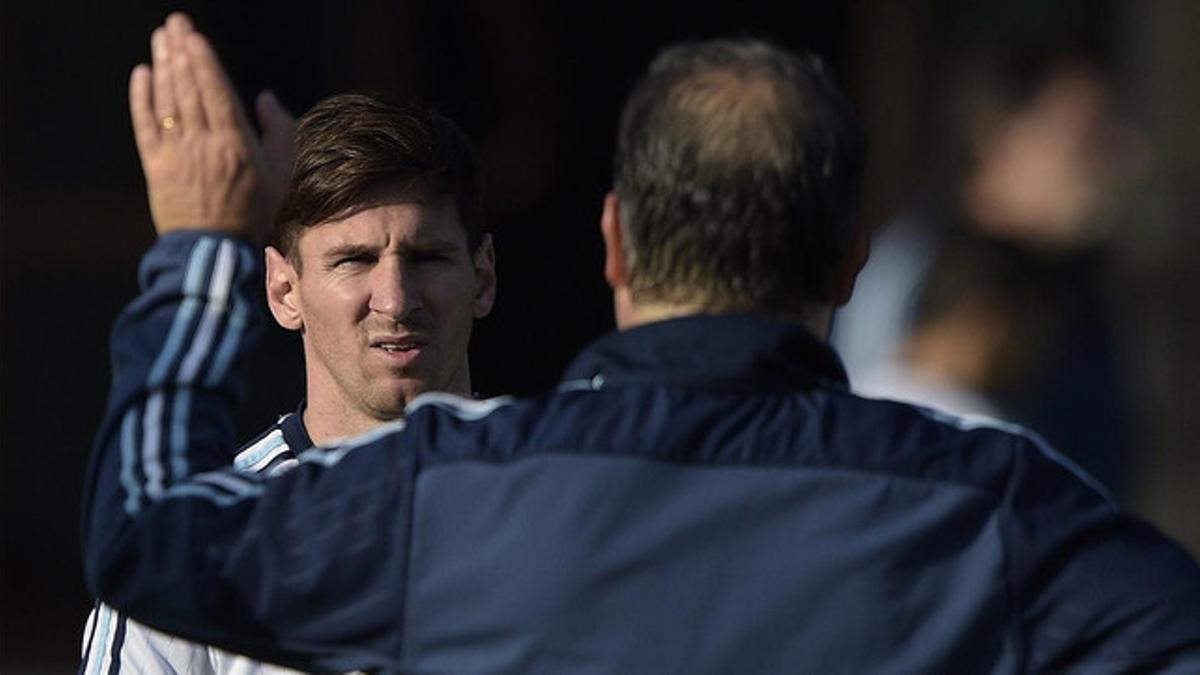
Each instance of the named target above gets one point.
<point>192,323</point>
<point>265,560</point>
<point>141,649</point>
<point>175,352</point>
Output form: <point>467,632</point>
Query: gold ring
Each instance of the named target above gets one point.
<point>169,122</point>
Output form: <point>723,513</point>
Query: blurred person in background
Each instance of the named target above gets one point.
<point>979,323</point>
<point>379,261</point>
<point>1037,159</point>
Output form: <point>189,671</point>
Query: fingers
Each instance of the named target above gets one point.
<point>141,108</point>
<point>179,22</point>
<point>189,87</point>
<point>187,91</point>
<point>221,105</point>
<point>163,87</point>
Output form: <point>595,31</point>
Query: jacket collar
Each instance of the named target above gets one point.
<point>295,434</point>
<point>753,350</point>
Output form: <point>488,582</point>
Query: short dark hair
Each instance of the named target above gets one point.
<point>738,171</point>
<point>350,145</point>
<point>973,272</point>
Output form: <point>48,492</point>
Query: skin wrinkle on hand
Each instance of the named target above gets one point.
<point>203,166</point>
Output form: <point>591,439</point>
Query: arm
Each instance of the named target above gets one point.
<point>1099,591</point>
<point>250,565</point>
<point>305,569</point>
<point>168,537</point>
<point>175,167</point>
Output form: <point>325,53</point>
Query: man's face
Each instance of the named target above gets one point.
<point>385,300</point>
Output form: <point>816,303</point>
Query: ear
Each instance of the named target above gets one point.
<point>485,277</point>
<point>855,259</point>
<point>283,290</point>
<point>614,253</point>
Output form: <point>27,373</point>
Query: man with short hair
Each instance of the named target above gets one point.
<point>380,262</point>
<point>702,494</point>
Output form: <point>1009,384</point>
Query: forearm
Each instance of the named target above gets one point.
<point>176,351</point>
<point>183,543</point>
<point>172,536</point>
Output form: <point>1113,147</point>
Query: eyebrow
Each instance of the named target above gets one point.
<point>347,251</point>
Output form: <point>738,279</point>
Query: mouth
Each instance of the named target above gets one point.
<point>399,350</point>
<point>392,347</point>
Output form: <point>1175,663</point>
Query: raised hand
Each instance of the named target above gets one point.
<point>204,167</point>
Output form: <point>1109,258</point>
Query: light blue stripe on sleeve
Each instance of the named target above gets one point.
<point>218,297</point>
<point>218,294</point>
<point>210,493</point>
<point>233,334</point>
<point>133,491</point>
<point>179,433</point>
<point>198,263</point>
<point>233,483</point>
<point>151,444</point>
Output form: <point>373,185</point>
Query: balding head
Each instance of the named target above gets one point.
<point>738,170</point>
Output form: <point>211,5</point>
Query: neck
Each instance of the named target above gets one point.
<point>328,418</point>
<point>630,314</point>
<point>327,422</point>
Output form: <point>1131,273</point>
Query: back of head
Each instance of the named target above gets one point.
<point>350,146</point>
<point>987,298</point>
<point>738,171</point>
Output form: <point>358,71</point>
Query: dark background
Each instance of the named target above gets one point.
<point>538,86</point>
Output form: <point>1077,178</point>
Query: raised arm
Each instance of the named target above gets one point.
<point>190,191</point>
<point>171,536</point>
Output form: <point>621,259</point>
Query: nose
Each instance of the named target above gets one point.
<point>394,291</point>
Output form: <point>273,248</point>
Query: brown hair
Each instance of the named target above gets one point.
<point>738,168</point>
<point>351,145</point>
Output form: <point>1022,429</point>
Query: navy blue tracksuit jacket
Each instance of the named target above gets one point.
<point>701,495</point>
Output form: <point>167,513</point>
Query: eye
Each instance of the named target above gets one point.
<point>351,261</point>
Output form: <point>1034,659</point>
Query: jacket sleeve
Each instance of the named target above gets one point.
<point>1098,590</point>
<point>304,569</point>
